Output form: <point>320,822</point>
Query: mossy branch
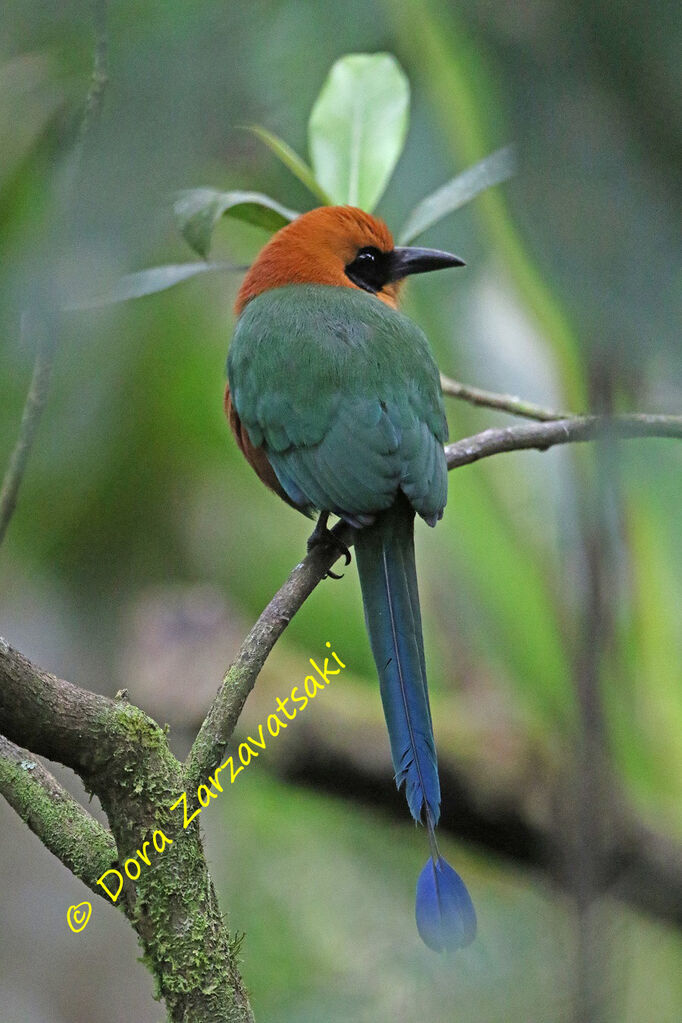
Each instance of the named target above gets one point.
<point>122,757</point>
<point>60,822</point>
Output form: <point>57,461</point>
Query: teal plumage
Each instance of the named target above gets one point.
<point>385,553</point>
<point>345,397</point>
<point>337,394</point>
<point>361,424</point>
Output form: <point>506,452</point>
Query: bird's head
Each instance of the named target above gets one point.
<point>342,246</point>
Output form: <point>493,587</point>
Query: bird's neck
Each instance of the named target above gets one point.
<point>277,269</point>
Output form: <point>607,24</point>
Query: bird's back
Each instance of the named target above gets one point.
<point>343,394</point>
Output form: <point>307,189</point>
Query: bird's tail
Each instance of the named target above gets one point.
<point>385,555</point>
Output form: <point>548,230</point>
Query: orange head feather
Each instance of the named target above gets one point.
<point>342,246</point>
<point>316,248</point>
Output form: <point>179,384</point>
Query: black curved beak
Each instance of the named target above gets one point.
<point>406,261</point>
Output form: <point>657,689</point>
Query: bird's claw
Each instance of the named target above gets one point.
<point>322,536</point>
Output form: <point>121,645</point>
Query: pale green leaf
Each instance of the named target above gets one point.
<point>198,210</point>
<point>493,170</point>
<point>293,161</point>
<point>148,282</point>
<point>357,127</point>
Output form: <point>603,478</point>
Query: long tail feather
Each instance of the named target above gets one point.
<point>446,918</point>
<point>385,554</point>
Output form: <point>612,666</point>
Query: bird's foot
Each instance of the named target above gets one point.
<point>322,536</point>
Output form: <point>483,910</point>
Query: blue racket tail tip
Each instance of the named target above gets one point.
<point>446,918</point>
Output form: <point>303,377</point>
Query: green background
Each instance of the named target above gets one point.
<point>143,546</point>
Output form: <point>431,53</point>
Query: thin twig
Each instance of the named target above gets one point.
<point>98,81</point>
<point>46,346</point>
<point>502,402</point>
<point>562,431</point>
<point>241,676</point>
<point>33,409</point>
<point>60,822</point>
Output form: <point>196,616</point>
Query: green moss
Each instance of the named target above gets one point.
<point>63,826</point>
<point>171,905</point>
<point>185,943</point>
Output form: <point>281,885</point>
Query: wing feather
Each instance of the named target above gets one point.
<point>343,395</point>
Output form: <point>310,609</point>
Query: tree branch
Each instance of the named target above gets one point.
<point>241,676</point>
<point>501,402</point>
<point>55,718</point>
<point>562,431</point>
<point>59,821</point>
<point>123,756</point>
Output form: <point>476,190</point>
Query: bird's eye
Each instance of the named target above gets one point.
<point>370,269</point>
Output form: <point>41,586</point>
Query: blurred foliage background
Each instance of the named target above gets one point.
<point>143,546</point>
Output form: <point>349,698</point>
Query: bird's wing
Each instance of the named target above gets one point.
<point>343,395</point>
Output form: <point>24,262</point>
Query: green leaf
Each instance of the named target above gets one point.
<point>147,282</point>
<point>357,127</point>
<point>293,161</point>
<point>198,210</point>
<point>492,170</point>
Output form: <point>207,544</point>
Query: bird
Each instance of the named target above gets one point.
<point>334,398</point>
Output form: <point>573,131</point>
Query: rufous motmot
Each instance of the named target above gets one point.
<point>334,398</point>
